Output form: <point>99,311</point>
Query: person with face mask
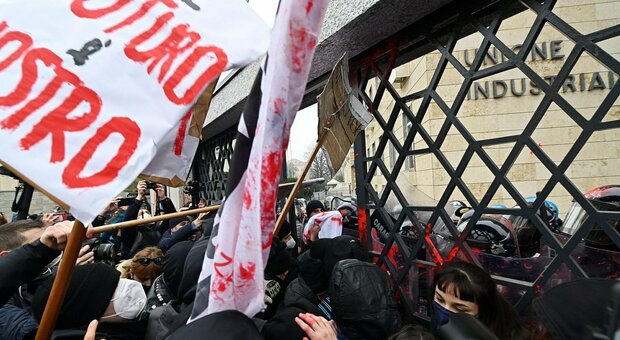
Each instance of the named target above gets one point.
<point>96,291</point>
<point>461,287</point>
<point>286,236</point>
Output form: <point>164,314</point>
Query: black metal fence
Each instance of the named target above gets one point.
<point>404,143</point>
<point>211,165</point>
<point>417,129</point>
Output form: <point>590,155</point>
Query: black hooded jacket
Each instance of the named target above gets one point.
<point>362,300</point>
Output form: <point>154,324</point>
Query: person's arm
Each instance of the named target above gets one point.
<point>128,235</point>
<point>16,322</point>
<point>25,263</point>
<point>171,238</point>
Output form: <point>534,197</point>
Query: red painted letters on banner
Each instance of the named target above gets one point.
<point>57,121</point>
<point>179,40</point>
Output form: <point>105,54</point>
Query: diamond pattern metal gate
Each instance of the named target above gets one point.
<point>211,165</point>
<point>424,127</point>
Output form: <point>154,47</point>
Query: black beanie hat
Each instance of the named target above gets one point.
<point>88,295</point>
<point>285,230</point>
<point>312,205</point>
<point>279,258</point>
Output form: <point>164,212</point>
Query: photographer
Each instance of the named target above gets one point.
<point>130,235</point>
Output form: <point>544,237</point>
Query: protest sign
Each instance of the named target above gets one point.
<point>88,91</point>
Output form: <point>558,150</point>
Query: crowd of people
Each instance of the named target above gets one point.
<point>140,283</point>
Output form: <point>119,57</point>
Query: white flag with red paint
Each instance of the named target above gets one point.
<point>329,224</point>
<point>232,271</point>
<point>89,90</point>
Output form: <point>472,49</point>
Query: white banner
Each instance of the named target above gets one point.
<point>88,90</point>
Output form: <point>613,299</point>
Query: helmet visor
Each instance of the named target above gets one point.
<point>574,219</point>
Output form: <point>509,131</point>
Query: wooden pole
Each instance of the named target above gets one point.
<point>134,223</point>
<point>61,282</point>
<point>291,196</point>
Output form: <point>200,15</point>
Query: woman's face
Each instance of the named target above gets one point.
<point>452,303</point>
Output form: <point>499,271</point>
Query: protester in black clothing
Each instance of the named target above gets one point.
<point>22,260</point>
<point>362,300</point>
<point>96,291</point>
<point>277,267</point>
<point>25,263</point>
<point>181,229</point>
<point>129,235</point>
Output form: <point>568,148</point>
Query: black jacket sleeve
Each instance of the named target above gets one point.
<point>168,239</point>
<point>22,265</point>
<point>167,207</point>
<point>128,235</point>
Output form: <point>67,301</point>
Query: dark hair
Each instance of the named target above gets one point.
<point>409,332</point>
<point>470,283</point>
<point>11,233</point>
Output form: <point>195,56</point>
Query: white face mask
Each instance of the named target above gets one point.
<point>129,299</point>
<point>290,244</point>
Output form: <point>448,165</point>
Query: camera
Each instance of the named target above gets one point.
<point>104,252</point>
<point>151,185</point>
<point>193,188</point>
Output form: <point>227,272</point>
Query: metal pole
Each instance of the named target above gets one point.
<point>24,201</point>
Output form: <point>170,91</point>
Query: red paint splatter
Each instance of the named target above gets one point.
<point>178,142</point>
<point>217,265</point>
<point>362,223</point>
<point>247,200</point>
<point>247,273</point>
<point>301,44</point>
<point>309,6</point>
<point>220,286</point>
<point>532,152</point>
<point>434,252</point>
<point>270,175</point>
<point>267,242</point>
<point>278,103</point>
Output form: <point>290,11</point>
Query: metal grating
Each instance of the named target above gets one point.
<point>212,163</point>
<point>377,84</point>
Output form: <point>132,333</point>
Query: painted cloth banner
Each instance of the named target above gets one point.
<point>175,153</point>
<point>232,271</point>
<point>89,90</point>
<point>330,222</point>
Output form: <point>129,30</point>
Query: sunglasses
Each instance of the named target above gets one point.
<point>145,261</point>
